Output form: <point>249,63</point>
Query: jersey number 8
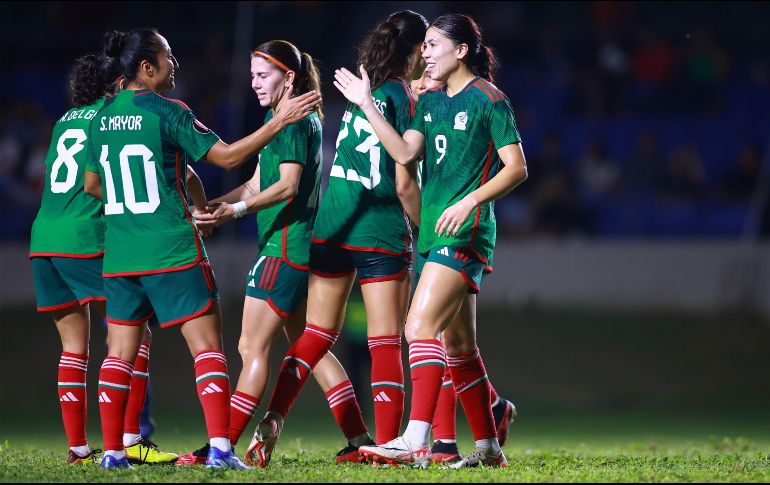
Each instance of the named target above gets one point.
<point>65,157</point>
<point>112,206</point>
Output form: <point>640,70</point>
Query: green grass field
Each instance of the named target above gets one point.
<point>541,449</point>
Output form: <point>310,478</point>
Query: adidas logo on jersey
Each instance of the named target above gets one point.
<point>103,397</point>
<point>444,251</point>
<point>428,118</point>
<point>69,397</point>
<point>211,389</point>
<point>461,119</point>
<point>382,397</point>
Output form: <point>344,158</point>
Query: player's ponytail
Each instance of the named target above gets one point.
<point>387,49</point>
<point>462,29</point>
<point>310,78</point>
<point>285,56</point>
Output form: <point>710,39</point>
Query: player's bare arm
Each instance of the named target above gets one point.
<point>513,172</point>
<point>291,111</point>
<point>404,150</point>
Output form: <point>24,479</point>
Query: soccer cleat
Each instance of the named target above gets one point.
<point>482,456</point>
<point>91,458</point>
<point>397,452</point>
<point>197,457</point>
<point>350,454</point>
<point>113,463</point>
<point>263,442</point>
<point>224,459</point>
<point>443,453</point>
<point>504,413</point>
<point>145,451</point>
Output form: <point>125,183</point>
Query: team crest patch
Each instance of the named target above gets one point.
<point>200,127</point>
<point>461,119</point>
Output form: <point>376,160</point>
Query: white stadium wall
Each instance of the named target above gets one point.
<point>703,277</point>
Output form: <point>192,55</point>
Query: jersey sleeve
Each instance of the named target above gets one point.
<point>292,143</point>
<point>91,161</point>
<point>192,136</point>
<point>418,120</point>
<point>502,124</point>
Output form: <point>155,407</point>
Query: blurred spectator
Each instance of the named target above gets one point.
<point>598,174</point>
<point>683,179</point>
<point>641,169</point>
<point>739,184</point>
<point>557,210</point>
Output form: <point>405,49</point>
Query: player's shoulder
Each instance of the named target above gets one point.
<point>486,92</point>
<point>396,89</point>
<point>155,101</point>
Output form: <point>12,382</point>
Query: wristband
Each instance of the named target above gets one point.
<point>240,209</point>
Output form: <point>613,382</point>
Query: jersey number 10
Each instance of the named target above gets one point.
<point>111,205</point>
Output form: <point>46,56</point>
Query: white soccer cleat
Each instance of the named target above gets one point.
<point>263,442</point>
<point>482,456</point>
<point>397,452</point>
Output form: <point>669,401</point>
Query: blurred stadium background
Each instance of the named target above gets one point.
<point>632,273</point>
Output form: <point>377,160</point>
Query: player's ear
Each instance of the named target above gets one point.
<point>461,51</point>
<point>146,68</point>
<point>290,76</point>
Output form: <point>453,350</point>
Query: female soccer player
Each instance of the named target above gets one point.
<point>462,129</point>
<point>284,193</point>
<point>361,228</point>
<point>154,259</point>
<point>67,252</point>
<point>444,449</point>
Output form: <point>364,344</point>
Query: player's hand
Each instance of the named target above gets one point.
<point>291,110</point>
<point>221,212</point>
<point>203,221</point>
<point>356,90</point>
<point>454,217</point>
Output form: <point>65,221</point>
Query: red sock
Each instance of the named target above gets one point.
<point>299,362</point>
<point>427,361</point>
<point>138,389</point>
<point>213,385</point>
<point>347,413</point>
<point>114,387</point>
<point>445,419</point>
<point>492,394</point>
<point>387,386</point>
<point>72,396</point>
<point>472,387</point>
<point>242,408</point>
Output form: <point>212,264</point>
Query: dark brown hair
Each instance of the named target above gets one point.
<point>91,77</point>
<point>385,51</point>
<point>289,58</point>
<point>128,50</point>
<point>462,29</point>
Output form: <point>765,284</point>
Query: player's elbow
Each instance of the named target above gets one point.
<point>404,189</point>
<point>289,190</point>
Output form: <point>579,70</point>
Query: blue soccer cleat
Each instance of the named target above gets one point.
<point>112,462</point>
<point>224,459</point>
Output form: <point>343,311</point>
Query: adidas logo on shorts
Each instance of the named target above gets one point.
<point>69,397</point>
<point>211,389</point>
<point>444,251</point>
<point>103,397</point>
<point>382,397</point>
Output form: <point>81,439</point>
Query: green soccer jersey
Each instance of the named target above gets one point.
<point>140,145</point>
<point>69,223</point>
<point>285,229</point>
<point>360,209</point>
<point>462,136</point>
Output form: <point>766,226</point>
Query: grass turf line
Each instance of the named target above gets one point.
<point>541,450</point>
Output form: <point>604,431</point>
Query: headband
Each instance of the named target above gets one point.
<point>274,61</point>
